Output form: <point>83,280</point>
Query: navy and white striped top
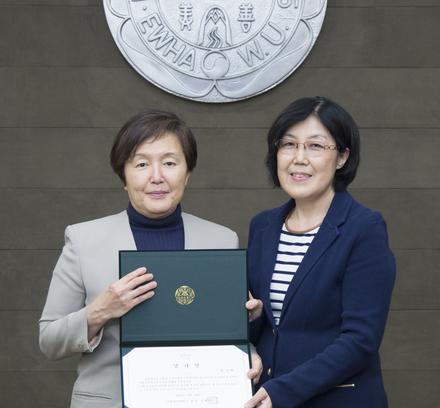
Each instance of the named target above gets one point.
<point>291,250</point>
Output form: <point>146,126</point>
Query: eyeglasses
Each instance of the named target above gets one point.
<point>313,148</point>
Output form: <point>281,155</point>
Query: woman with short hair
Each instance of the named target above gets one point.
<point>321,265</point>
<point>154,154</point>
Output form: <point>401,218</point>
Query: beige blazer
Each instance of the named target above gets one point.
<point>87,265</point>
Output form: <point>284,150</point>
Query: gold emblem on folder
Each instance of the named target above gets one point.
<point>185,295</point>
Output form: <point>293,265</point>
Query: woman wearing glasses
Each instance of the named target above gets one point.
<point>322,267</point>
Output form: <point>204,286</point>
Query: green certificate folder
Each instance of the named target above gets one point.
<point>199,299</point>
<point>195,326</point>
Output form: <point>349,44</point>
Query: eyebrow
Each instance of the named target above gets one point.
<point>317,135</point>
<point>166,154</point>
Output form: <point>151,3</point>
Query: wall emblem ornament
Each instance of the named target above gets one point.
<point>215,50</point>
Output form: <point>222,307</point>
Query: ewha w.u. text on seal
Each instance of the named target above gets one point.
<point>215,50</point>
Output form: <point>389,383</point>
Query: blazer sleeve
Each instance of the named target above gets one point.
<point>366,293</point>
<point>63,323</point>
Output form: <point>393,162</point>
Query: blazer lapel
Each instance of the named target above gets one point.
<point>328,232</point>
<point>123,239</point>
<point>191,236</point>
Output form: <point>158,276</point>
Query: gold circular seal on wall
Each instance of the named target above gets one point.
<point>185,295</point>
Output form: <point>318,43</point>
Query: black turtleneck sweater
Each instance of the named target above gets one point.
<point>157,234</point>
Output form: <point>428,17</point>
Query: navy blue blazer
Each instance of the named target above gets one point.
<point>324,352</point>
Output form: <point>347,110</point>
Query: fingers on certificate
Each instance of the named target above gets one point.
<point>120,297</point>
<point>257,366</point>
<point>261,400</point>
<point>254,307</point>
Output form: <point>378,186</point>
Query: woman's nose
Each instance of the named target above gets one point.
<point>300,154</point>
<point>156,174</point>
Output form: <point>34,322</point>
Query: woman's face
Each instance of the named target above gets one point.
<point>156,176</point>
<point>307,175</point>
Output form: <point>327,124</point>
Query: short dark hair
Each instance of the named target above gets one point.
<point>151,125</point>
<point>334,118</point>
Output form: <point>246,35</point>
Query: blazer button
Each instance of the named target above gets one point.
<point>269,372</point>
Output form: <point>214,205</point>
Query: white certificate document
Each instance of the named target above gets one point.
<point>186,377</point>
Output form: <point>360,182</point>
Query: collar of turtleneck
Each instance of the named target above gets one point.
<point>151,234</point>
<point>141,221</point>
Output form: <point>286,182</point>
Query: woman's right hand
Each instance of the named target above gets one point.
<point>120,297</point>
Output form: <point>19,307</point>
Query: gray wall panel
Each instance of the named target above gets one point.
<point>407,344</point>
<point>418,280</point>
<point>54,209</point>
<point>65,30</point>
<point>29,273</point>
<point>87,151</point>
<point>413,388</point>
<point>346,39</point>
<point>51,389</point>
<point>331,3</point>
<point>399,158</point>
<point>367,37</point>
<point>21,351</point>
<point>57,158</point>
<point>66,90</point>
<point>54,3</point>
<point>234,158</point>
<point>411,340</point>
<point>411,215</point>
<point>25,277</point>
<point>48,389</point>
<point>90,97</point>
<point>377,3</point>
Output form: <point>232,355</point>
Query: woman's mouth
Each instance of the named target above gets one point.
<point>158,194</point>
<point>300,177</point>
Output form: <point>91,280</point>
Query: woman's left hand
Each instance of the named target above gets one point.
<point>254,307</point>
<point>257,366</point>
<point>261,400</point>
